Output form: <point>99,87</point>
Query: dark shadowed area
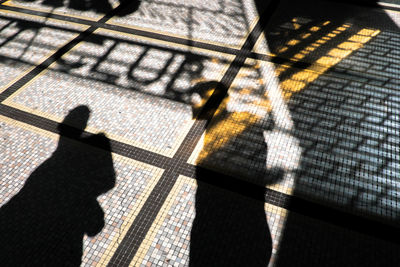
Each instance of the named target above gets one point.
<point>230,227</point>
<point>342,120</point>
<point>45,222</point>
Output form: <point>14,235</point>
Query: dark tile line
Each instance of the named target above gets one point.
<point>44,65</point>
<point>139,228</point>
<point>29,22</point>
<point>380,229</point>
<point>135,235</point>
<point>44,14</point>
<point>117,147</point>
<point>163,37</point>
<point>144,220</point>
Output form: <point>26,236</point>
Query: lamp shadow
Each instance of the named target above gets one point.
<point>45,222</point>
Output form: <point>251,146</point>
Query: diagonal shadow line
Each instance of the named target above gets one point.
<point>11,38</point>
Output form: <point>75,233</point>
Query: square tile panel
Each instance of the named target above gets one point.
<point>140,92</point>
<point>38,176</point>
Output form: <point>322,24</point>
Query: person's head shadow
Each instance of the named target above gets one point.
<point>230,226</point>
<point>96,151</point>
<point>99,6</point>
<point>45,222</point>
<point>233,136</point>
<point>77,118</point>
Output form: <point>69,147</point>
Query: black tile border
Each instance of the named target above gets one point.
<point>117,147</point>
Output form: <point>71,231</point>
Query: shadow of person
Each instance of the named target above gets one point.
<point>44,223</point>
<point>126,7</point>
<point>230,227</point>
<point>101,6</point>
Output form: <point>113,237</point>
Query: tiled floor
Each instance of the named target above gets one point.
<point>193,133</point>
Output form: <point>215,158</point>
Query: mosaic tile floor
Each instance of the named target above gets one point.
<point>186,133</point>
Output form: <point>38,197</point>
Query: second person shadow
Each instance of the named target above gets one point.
<point>230,227</point>
<point>45,222</point>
